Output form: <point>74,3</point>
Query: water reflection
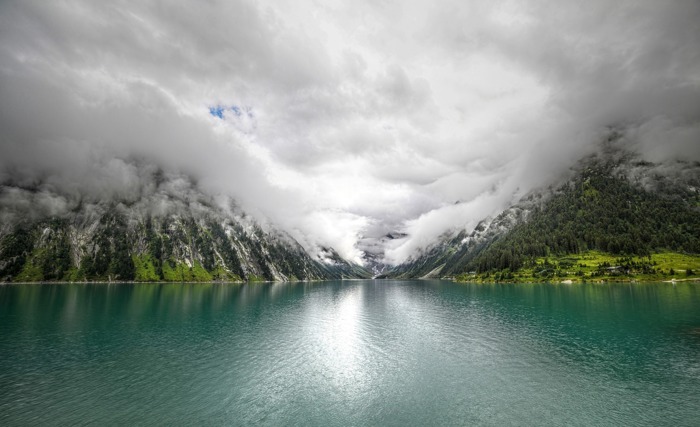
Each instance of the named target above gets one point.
<point>338,329</point>
<point>592,307</point>
<point>348,353</point>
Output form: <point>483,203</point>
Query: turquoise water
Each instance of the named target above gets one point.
<point>350,353</point>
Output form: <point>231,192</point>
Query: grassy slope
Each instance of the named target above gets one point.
<point>596,266</point>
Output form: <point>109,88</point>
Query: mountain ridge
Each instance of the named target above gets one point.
<point>161,234</point>
<point>167,229</point>
<point>612,201</point>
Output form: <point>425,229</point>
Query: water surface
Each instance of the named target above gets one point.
<point>350,353</point>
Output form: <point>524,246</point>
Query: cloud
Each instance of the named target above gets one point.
<point>340,121</point>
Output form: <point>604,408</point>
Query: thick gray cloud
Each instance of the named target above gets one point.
<point>341,120</point>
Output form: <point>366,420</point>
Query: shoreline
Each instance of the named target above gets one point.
<point>243,282</point>
<point>133,282</point>
<point>582,282</point>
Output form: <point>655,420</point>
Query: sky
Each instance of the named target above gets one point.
<point>339,121</point>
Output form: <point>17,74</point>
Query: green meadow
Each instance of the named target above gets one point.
<point>596,266</point>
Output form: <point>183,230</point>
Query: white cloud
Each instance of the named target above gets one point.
<point>360,118</point>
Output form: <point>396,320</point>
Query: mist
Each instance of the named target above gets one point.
<point>338,122</point>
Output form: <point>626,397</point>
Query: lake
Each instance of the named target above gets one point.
<point>350,353</point>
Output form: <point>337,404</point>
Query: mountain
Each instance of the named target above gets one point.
<point>373,252</point>
<point>452,252</point>
<point>611,204</point>
<point>612,213</point>
<point>160,234</point>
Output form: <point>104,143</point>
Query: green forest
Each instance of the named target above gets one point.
<point>599,212</point>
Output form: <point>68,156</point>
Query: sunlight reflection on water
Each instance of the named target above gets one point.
<point>349,353</point>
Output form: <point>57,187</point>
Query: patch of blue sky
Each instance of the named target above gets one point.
<point>219,110</point>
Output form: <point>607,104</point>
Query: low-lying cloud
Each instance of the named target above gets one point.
<point>341,121</point>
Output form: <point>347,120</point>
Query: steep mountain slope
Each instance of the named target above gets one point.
<point>613,203</point>
<point>161,235</point>
<point>449,255</point>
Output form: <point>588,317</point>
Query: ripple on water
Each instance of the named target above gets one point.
<point>350,353</point>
